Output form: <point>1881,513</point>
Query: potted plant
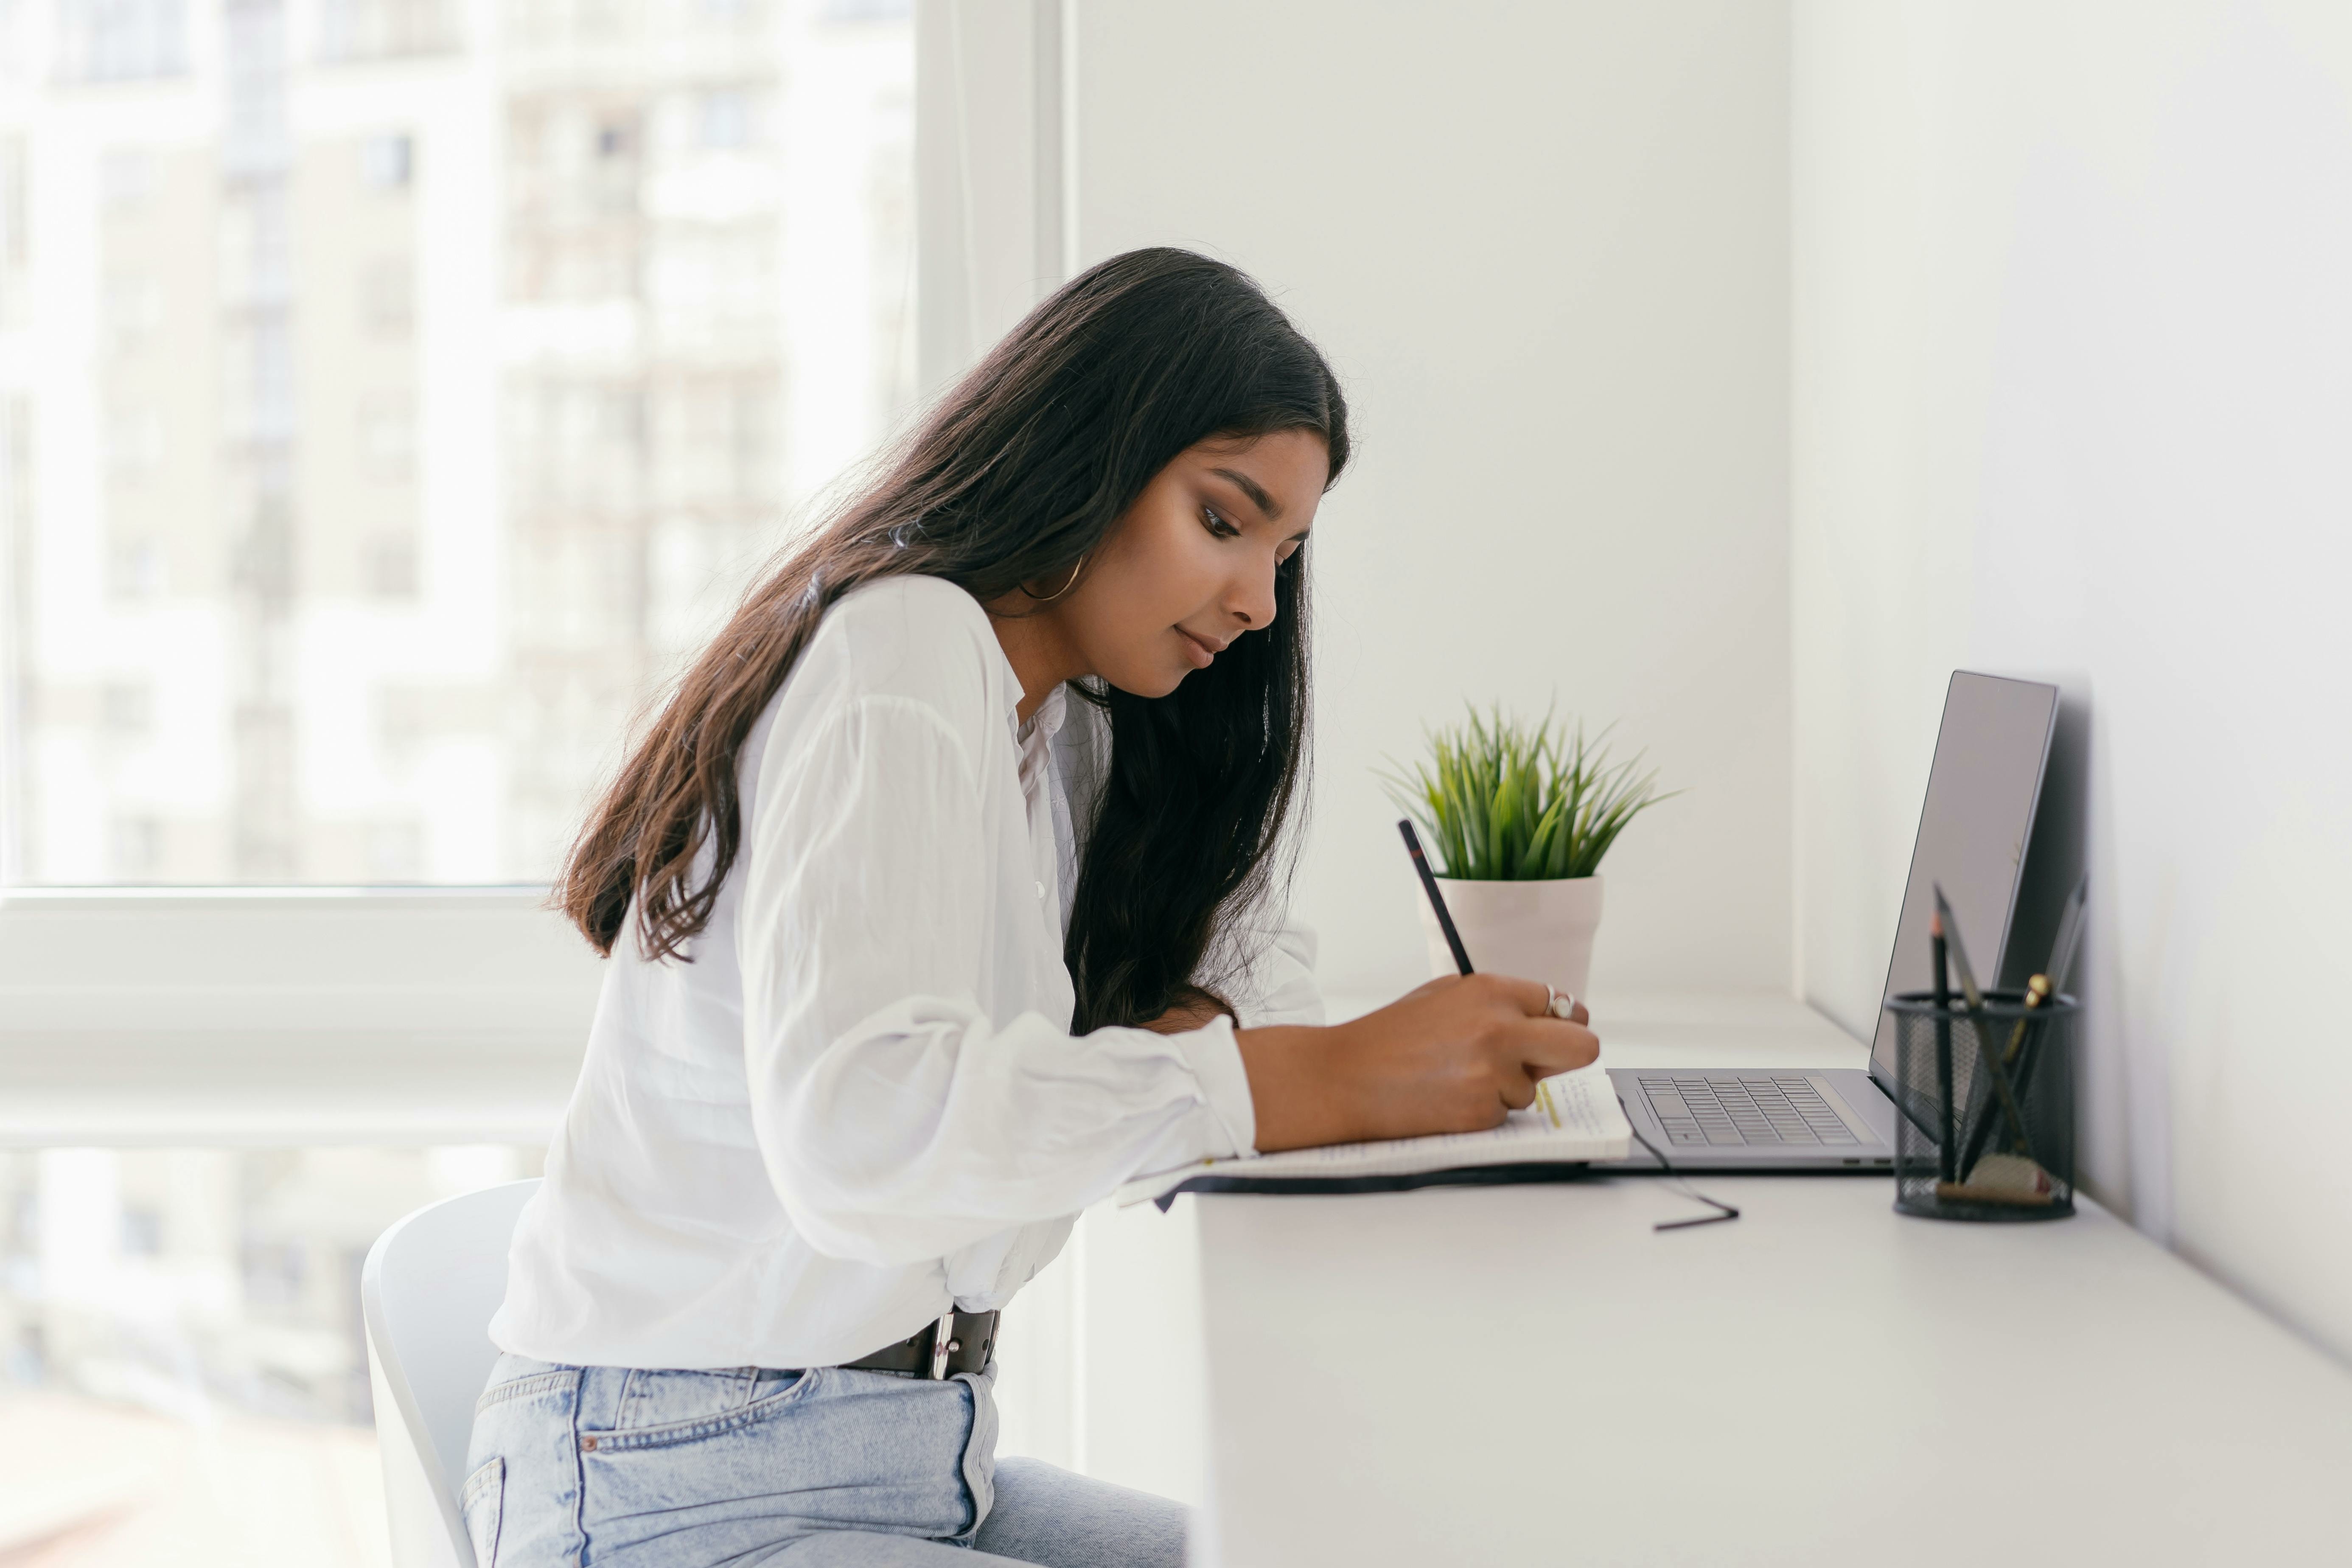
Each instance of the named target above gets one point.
<point>1521,816</point>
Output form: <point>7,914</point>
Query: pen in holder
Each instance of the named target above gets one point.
<point>2008,1067</point>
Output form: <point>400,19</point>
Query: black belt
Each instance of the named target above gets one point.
<point>959,1341</point>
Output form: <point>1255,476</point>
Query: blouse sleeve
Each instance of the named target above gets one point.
<point>898,1121</point>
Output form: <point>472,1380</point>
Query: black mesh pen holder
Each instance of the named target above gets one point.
<point>1986,1102</point>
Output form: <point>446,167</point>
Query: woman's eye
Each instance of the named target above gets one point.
<point>1218,525</point>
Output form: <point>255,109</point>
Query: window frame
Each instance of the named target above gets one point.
<point>288,1014</point>
<point>307,1014</point>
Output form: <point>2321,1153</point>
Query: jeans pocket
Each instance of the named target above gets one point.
<point>656,1408</point>
<point>651,1397</point>
<point>484,1503</point>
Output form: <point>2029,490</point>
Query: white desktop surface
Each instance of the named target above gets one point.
<point>1532,1376</point>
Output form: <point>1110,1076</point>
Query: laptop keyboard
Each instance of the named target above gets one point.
<point>1744,1108</point>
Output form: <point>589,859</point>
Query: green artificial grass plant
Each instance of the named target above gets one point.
<point>1503,801</point>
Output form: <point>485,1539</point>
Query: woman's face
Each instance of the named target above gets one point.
<point>1190,566</point>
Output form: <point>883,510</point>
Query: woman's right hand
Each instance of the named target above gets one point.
<point>1455,1056</point>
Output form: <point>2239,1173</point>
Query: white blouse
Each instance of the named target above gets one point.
<point>861,1101</point>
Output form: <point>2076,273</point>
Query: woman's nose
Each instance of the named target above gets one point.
<point>1251,599</point>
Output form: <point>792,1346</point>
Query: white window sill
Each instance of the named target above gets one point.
<point>276,1015</point>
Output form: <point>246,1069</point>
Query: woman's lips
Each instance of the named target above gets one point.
<point>1199,652</point>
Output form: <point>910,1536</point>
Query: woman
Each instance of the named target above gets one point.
<point>941,899</point>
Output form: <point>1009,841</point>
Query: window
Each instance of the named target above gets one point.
<point>391,567</point>
<point>134,310</point>
<point>134,442</point>
<point>387,297</point>
<point>724,118</point>
<point>127,709</point>
<point>14,254</point>
<point>126,180</point>
<point>374,466</point>
<point>639,276</point>
<point>384,162</point>
<point>181,1325</point>
<point>344,415</point>
<point>384,29</point>
<point>387,438</point>
<point>122,40</point>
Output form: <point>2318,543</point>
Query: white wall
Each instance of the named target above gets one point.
<point>1547,249</point>
<point>1545,246</point>
<point>2072,376</point>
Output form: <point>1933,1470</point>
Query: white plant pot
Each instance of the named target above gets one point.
<point>1537,930</point>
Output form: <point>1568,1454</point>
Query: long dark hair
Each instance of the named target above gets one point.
<point>1014,477</point>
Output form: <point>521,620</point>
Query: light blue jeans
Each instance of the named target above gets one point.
<point>601,1467</point>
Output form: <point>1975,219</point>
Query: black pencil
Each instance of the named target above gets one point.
<point>1988,1063</point>
<point>2061,971</point>
<point>1436,899</point>
<point>2037,991</point>
<point>1948,1154</point>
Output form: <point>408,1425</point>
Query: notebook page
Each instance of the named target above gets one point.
<point>1575,1117</point>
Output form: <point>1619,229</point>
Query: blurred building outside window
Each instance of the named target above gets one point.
<point>398,391</point>
<point>182,1376</point>
<point>393,393</point>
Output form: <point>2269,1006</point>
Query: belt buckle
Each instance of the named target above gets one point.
<point>943,1343</point>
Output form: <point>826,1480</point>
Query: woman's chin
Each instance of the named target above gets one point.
<point>1149,683</point>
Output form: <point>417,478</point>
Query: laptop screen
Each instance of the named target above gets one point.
<point>1981,793</point>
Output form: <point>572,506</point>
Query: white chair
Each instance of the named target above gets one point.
<point>426,1294</point>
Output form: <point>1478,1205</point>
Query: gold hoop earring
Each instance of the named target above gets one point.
<point>1049,599</point>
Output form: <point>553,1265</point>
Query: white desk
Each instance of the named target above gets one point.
<point>1532,1376</point>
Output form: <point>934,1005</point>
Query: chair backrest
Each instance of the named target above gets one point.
<point>427,1292</point>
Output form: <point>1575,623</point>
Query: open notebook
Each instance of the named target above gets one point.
<point>1575,1119</point>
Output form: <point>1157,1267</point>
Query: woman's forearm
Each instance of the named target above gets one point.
<point>1301,1095</point>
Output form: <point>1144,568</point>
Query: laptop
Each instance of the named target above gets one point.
<point>1983,789</point>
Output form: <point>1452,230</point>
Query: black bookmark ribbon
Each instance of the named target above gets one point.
<point>1681,1183</point>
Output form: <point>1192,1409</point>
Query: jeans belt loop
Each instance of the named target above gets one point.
<point>943,1343</point>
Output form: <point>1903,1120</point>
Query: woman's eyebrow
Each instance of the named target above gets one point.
<point>1251,489</point>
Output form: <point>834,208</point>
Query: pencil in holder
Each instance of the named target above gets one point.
<point>1985,1102</point>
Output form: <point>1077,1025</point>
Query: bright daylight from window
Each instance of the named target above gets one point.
<point>185,1379</point>
<point>391,393</point>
